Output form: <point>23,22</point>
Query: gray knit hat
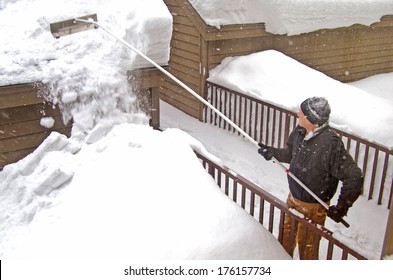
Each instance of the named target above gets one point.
<point>316,109</point>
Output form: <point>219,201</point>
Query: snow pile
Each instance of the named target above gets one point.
<point>70,200</point>
<point>377,85</point>
<point>263,76</point>
<point>85,72</point>
<point>293,17</point>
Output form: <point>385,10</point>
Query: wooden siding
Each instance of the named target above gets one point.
<point>218,50</point>
<point>345,54</point>
<point>185,62</point>
<point>21,110</point>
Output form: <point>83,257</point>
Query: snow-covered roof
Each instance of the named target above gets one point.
<point>293,16</point>
<point>84,64</point>
<point>29,53</point>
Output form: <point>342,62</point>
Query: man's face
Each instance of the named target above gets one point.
<point>304,122</point>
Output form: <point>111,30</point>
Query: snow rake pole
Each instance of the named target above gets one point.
<point>92,21</point>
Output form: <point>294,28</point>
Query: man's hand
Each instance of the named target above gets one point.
<point>265,151</point>
<point>336,213</point>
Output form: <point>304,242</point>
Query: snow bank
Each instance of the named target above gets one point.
<point>379,85</point>
<point>133,193</point>
<point>263,76</point>
<point>293,17</point>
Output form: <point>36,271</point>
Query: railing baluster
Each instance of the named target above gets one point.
<point>243,205</point>
<point>227,185</point>
<point>390,195</point>
<point>373,174</point>
<point>271,217</point>
<point>205,108</point>
<point>365,159</point>
<point>225,108</point>
<point>267,126</point>
<point>344,255</point>
<point>219,178</point>
<point>287,129</point>
<point>240,112</point>
<point>234,191</point>
<point>279,129</point>
<point>356,157</point>
<point>329,255</point>
<point>219,106</point>
<point>261,211</point>
<point>348,144</point>
<point>273,128</point>
<point>256,122</point>
<point>215,105</point>
<point>262,123</point>
<point>281,226</point>
<point>250,120</point>
<point>235,112</point>
<point>230,109</point>
<point>252,204</point>
<point>382,186</point>
<point>245,114</point>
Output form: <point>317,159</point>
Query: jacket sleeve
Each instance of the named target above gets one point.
<point>282,155</point>
<point>285,154</point>
<point>345,169</point>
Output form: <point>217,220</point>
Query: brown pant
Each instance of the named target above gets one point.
<point>313,211</point>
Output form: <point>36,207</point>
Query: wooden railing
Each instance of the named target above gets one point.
<point>270,212</point>
<point>271,125</point>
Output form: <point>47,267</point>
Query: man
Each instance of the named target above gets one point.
<point>317,157</point>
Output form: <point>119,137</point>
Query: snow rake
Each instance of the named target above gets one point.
<point>88,22</point>
<point>68,27</point>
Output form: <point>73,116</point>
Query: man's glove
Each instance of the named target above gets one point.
<point>337,212</point>
<point>265,151</point>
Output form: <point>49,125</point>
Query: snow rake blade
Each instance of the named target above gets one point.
<point>71,26</point>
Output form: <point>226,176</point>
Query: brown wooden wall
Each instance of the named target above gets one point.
<point>185,61</point>
<point>21,110</point>
<point>345,54</point>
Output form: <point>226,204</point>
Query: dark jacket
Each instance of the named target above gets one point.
<point>320,161</point>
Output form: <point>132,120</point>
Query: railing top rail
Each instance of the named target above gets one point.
<point>358,138</point>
